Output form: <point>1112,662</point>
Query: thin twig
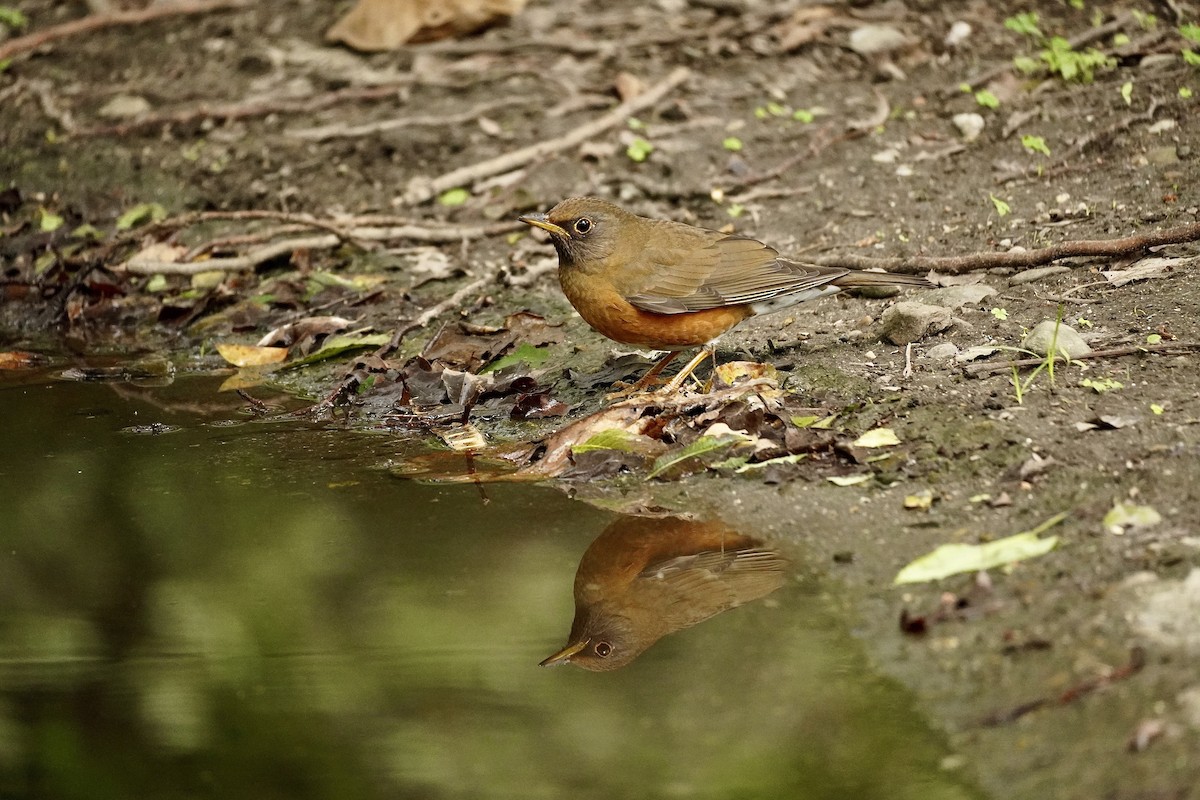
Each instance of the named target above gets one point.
<point>1023,259</point>
<point>340,131</point>
<point>422,189</point>
<point>979,370</point>
<point>248,110</point>
<point>95,22</point>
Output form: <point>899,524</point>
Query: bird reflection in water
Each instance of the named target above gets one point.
<point>646,577</point>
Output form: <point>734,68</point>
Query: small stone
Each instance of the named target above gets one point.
<point>124,106</point>
<point>967,294</point>
<point>1033,275</point>
<point>958,34</point>
<point>1065,340</point>
<point>909,321</point>
<point>942,352</point>
<point>969,125</point>
<point>872,39</point>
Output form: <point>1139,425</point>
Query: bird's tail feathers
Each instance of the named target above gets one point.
<point>863,278</point>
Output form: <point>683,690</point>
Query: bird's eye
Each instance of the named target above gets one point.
<point>583,225</point>
<point>603,649</point>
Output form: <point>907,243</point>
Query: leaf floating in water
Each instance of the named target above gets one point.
<point>954,559</point>
<point>463,437</point>
<point>880,437</point>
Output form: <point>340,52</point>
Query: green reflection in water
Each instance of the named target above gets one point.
<point>249,610</point>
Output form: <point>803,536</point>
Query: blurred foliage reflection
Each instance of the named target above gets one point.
<point>244,609</point>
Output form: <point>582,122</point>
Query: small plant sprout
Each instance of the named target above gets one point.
<point>1025,23</point>
<point>986,99</point>
<point>1000,313</point>
<point>1156,409</point>
<point>639,150</point>
<point>1002,208</point>
<point>732,143</point>
<point>1035,144</point>
<point>1185,92</point>
<point>1127,92</point>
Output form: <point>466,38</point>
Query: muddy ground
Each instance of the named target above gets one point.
<point>1104,630</point>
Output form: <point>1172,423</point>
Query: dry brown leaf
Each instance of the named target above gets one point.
<point>245,355</point>
<point>374,25</point>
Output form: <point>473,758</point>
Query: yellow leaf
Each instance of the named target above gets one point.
<point>247,355</point>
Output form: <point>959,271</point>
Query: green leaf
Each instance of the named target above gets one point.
<point>1191,57</point>
<point>524,352</point>
<point>139,214</point>
<point>1130,515</point>
<point>803,115</point>
<point>13,18</point>
<point>986,99</point>
<point>1156,409</point>
<point>157,283</point>
<point>878,437</point>
<point>336,345</point>
<point>732,143</point>
<point>776,110</point>
<point>1025,24</point>
<point>1185,92</point>
<point>795,458</point>
<point>612,439</point>
<point>1000,313</point>
<point>735,210</point>
<point>1154,338</point>
<point>820,423</point>
<point>639,150</point>
<point>49,221</point>
<point>87,231</point>
<point>1190,32</point>
<point>1101,385</point>
<point>635,124</point>
<point>1002,208</point>
<point>454,197</point>
<point>700,447</point>
<point>848,480</point>
<point>1127,92</point>
<point>1035,144</point>
<point>1026,65</point>
<point>954,559</point>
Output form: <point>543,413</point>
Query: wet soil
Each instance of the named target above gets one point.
<point>1060,629</point>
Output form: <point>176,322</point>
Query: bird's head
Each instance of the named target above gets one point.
<point>584,229</point>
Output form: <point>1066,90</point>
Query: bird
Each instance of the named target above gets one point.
<point>645,577</point>
<point>669,286</point>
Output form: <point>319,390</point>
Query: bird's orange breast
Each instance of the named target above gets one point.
<point>606,310</point>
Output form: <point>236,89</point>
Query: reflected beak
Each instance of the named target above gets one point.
<point>564,655</point>
<point>540,221</point>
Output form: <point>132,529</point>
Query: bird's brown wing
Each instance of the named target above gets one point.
<point>695,587</point>
<point>715,270</point>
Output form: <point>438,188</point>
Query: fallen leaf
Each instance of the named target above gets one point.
<point>922,501</point>
<point>700,447</point>
<point>954,559</point>
<point>879,437</point>
<point>336,345</point>
<point>848,480</point>
<point>374,25</point>
<point>1124,516</point>
<point>247,355</point>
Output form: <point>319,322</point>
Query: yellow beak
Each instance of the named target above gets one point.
<point>540,221</point>
<point>564,655</point>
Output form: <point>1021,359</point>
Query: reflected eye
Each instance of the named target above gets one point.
<point>583,225</point>
<point>603,649</point>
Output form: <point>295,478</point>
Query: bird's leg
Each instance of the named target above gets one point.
<point>646,380</point>
<point>708,351</point>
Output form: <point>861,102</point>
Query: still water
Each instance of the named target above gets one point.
<point>224,607</point>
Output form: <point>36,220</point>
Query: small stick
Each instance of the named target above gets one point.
<point>326,132</point>
<point>1025,259</point>
<point>95,22</point>
<point>421,189</point>
<point>979,370</point>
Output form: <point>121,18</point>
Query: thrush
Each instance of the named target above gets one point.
<point>643,578</point>
<point>666,285</point>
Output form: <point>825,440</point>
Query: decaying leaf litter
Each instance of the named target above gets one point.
<point>833,133</point>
